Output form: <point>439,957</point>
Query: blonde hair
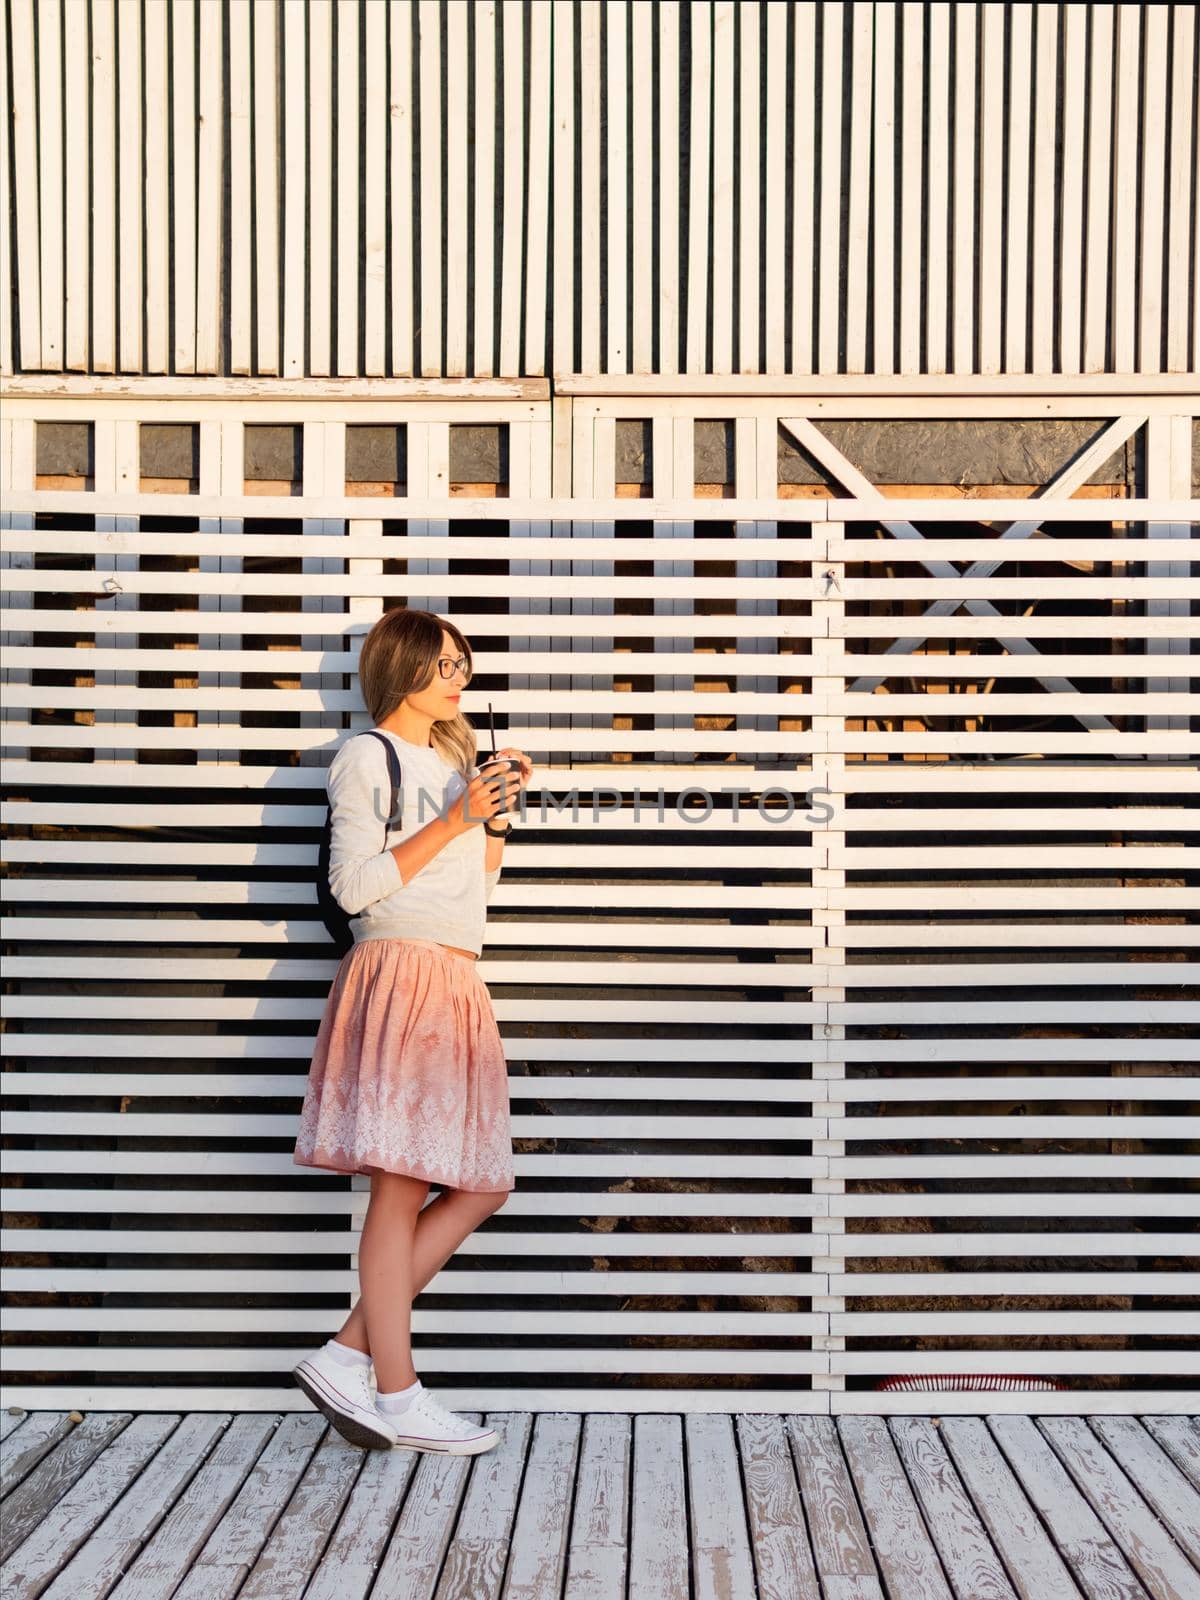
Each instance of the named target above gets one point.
<point>399,657</point>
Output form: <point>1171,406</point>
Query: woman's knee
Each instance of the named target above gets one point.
<point>485,1202</point>
<point>397,1191</point>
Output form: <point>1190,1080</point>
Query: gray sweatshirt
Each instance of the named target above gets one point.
<point>447,899</point>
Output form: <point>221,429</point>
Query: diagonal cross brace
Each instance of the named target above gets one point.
<point>1062,486</point>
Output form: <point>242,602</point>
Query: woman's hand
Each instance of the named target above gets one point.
<point>526,765</point>
<point>490,796</point>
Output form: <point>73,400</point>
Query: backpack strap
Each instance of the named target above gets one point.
<point>393,761</point>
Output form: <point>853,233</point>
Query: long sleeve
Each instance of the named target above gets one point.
<point>360,872</point>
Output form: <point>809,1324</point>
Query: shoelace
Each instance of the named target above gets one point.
<point>449,1420</point>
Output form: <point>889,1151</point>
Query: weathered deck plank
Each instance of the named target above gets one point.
<point>909,1562</point>
<point>1034,1565</point>
<point>968,1556</point>
<point>1098,1565</point>
<point>299,1537</point>
<point>658,1549</point>
<point>39,1432</point>
<point>98,1565</point>
<point>476,1559</point>
<point>76,1514</point>
<point>595,1506</point>
<point>839,1537</point>
<point>232,1548</point>
<point>782,1553</point>
<point>598,1556</point>
<point>722,1566</point>
<point>1180,1438</point>
<point>71,1456</point>
<point>1158,1479</point>
<point>1165,1572</point>
<point>180,1537</point>
<point>537,1559</point>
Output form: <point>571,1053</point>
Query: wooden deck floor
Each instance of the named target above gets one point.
<point>603,1507</point>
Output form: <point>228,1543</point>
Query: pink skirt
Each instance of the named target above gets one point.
<point>409,1074</point>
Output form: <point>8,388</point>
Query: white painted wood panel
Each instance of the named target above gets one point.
<point>765,1153</point>
<point>979,211</point>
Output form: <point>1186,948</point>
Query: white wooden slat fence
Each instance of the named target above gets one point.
<point>957,1135</point>
<point>797,188</point>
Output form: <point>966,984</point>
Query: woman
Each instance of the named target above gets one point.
<point>408,1078</point>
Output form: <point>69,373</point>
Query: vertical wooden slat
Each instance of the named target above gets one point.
<point>324,473</point>
<point>158,195</point>
<point>748,209</point>
<point>512,22</point>
<point>50,178</point>
<point>1123,238</point>
<point>963,357</point>
<point>183,180</point>
<point>723,224</point>
<point>775,263</point>
<point>374,244</point>
<point>117,465</point>
<point>912,160</point>
<point>104,188</point>
<point>429,45</point>
<point>321,229</point>
<point>486,257</point>
<point>1070,288</point>
<point>18,463</point>
<point>295,185</point>
<point>666,460</point>
<point>829,877</point>
<point>241,241</point>
<point>991,193</point>
<point>1153,156</point>
<point>804,188</point>
<point>829,231</point>
<point>618,220</point>
<point>1041,266</point>
<point>1016,232</point>
<point>266,186</point>
<point>428,476</point>
<point>590,101</point>
<point>700,167</point>
<point>1195,243</point>
<point>1099,168</point>
<point>859,218</point>
<point>130,286</point>
<point>400,111</point>
<point>667,243</point>
<point>641,278</point>
<point>937,192</point>
<point>209,187</point>
<point>756,455</point>
<point>537,274</point>
<point>566,211</point>
<point>1185,102</point>
<point>883,340</point>
<point>220,471</point>
<point>77,198</point>
<point>6,326</point>
<point>349,186</point>
<point>456,193</point>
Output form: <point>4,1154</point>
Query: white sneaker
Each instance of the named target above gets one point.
<point>345,1396</point>
<point>427,1425</point>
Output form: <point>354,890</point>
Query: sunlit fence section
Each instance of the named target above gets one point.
<point>845,955</point>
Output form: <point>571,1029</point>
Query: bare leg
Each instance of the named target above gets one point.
<point>385,1272</point>
<point>440,1228</point>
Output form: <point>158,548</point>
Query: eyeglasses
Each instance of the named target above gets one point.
<point>448,667</point>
